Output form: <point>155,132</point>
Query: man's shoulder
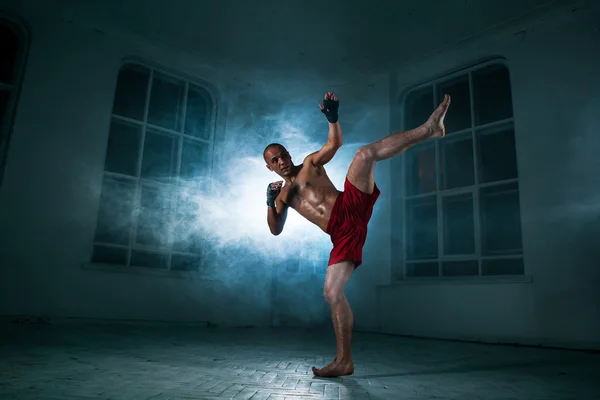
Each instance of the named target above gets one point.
<point>284,191</point>
<point>309,161</point>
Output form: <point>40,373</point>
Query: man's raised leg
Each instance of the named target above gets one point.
<point>361,170</point>
<point>343,319</point>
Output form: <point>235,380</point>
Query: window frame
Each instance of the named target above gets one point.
<point>141,182</point>
<point>23,32</point>
<point>440,194</point>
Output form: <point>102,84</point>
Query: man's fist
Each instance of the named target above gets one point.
<point>273,191</point>
<point>330,107</point>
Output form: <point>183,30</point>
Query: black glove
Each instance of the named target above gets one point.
<point>330,109</point>
<point>273,191</point>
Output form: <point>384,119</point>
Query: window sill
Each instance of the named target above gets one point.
<point>463,280</point>
<point>188,275</point>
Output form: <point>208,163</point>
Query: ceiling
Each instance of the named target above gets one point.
<point>307,34</point>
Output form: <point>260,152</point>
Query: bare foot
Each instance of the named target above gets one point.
<point>436,121</point>
<point>335,369</point>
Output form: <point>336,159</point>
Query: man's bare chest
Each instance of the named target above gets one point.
<point>305,187</point>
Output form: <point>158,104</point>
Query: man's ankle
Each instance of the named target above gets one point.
<point>428,129</point>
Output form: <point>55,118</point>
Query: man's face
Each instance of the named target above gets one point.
<point>279,160</point>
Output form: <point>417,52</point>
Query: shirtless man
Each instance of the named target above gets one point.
<point>343,215</point>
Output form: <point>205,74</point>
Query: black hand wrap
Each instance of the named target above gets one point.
<point>330,109</point>
<point>272,195</point>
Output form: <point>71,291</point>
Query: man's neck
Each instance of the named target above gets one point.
<point>292,177</point>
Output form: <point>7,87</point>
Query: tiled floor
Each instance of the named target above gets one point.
<point>117,362</point>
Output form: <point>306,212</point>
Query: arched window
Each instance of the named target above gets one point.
<point>160,138</point>
<point>461,196</point>
<point>13,50</point>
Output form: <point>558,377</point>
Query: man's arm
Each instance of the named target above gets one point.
<point>276,216</point>
<point>334,142</point>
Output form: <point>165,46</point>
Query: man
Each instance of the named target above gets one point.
<point>343,215</point>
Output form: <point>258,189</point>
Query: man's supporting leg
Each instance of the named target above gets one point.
<point>342,317</point>
<point>361,170</point>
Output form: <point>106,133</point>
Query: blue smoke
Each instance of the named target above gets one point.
<point>229,209</point>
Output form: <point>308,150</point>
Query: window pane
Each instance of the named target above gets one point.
<point>153,217</point>
<point>148,259</point>
<point>503,266</point>
<point>311,260</point>
<point>132,89</point>
<point>185,262</point>
<point>421,171</point>
<point>123,150</point>
<point>415,270</point>
<point>460,268</point>
<point>109,255</point>
<point>497,155</point>
<point>321,268</point>
<point>116,211</point>
<point>187,236</point>
<point>9,48</point>
<point>418,107</point>
<point>500,220</point>
<point>459,117</point>
<point>197,115</point>
<point>493,99</point>
<point>160,156</point>
<point>166,102</point>
<point>422,232</point>
<point>459,234</point>
<point>292,266</point>
<point>195,159</point>
<point>457,161</point>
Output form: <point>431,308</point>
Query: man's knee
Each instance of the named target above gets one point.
<point>366,153</point>
<point>333,295</point>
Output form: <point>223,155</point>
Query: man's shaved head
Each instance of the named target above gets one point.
<point>270,146</point>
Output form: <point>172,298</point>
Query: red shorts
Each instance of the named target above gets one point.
<point>348,222</point>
